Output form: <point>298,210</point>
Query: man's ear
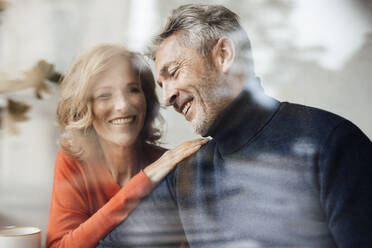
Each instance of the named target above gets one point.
<point>224,54</point>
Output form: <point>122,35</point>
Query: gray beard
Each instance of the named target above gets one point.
<point>216,101</point>
<point>216,95</point>
<point>201,126</point>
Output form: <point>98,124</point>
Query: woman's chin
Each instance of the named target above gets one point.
<point>125,140</point>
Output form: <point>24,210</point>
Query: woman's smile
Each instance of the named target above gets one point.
<point>122,121</point>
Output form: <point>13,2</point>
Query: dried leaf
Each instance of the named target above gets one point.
<point>17,118</point>
<point>43,88</point>
<point>12,128</point>
<point>17,108</point>
<point>35,78</point>
<point>16,113</point>
<point>39,73</point>
<point>3,5</point>
<point>13,85</point>
<point>56,77</point>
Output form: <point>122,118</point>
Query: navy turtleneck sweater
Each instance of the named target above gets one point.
<point>277,174</point>
<point>274,175</point>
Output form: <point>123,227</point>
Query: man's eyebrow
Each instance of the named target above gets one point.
<point>164,69</point>
<point>176,61</point>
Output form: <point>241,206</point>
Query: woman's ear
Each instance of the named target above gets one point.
<point>224,54</point>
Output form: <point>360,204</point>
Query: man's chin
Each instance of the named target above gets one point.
<point>200,127</point>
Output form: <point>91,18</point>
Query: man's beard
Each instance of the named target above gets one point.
<point>213,93</point>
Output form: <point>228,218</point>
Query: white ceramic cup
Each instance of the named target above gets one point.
<point>20,237</point>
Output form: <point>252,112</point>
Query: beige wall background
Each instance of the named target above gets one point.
<point>317,53</point>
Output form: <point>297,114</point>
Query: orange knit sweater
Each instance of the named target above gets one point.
<point>87,202</point>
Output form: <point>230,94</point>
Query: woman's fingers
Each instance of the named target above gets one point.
<point>161,167</point>
<point>191,143</point>
<point>186,149</point>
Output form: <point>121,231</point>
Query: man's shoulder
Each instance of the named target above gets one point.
<point>296,121</point>
<point>309,116</point>
<point>304,111</point>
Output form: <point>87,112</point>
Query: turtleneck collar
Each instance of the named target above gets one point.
<point>243,118</point>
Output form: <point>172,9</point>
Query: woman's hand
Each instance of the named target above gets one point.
<point>161,167</point>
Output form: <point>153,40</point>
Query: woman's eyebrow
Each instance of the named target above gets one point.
<point>102,88</point>
<point>134,83</point>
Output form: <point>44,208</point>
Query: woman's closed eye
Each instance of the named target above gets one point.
<point>104,95</point>
<point>135,89</point>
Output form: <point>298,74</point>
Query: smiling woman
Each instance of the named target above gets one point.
<point>119,106</point>
<point>109,159</point>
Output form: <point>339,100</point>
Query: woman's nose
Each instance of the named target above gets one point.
<point>120,102</point>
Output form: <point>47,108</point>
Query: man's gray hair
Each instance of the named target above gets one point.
<point>201,26</point>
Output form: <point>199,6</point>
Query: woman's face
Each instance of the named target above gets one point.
<point>119,105</point>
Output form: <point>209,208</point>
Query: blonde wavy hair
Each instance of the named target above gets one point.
<point>74,110</point>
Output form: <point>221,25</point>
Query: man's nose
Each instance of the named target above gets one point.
<point>170,95</point>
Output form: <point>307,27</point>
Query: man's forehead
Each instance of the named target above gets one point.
<point>167,49</point>
<point>169,52</point>
<point>172,51</point>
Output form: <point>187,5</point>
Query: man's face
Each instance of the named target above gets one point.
<point>190,83</point>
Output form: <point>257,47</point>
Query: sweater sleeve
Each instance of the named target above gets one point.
<point>345,178</point>
<point>69,222</point>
